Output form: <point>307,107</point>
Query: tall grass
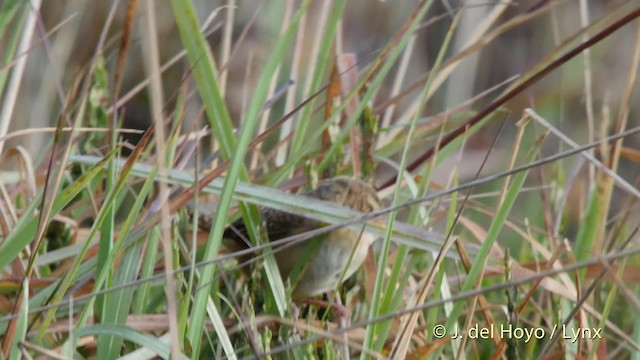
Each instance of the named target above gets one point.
<point>490,220</point>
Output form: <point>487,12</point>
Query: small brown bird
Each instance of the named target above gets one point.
<point>332,258</point>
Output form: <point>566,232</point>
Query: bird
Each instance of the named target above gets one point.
<point>332,260</point>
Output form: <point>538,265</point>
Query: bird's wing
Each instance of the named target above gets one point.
<point>279,224</point>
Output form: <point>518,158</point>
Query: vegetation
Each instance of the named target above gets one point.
<point>500,136</point>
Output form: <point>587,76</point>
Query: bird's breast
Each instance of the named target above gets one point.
<point>332,261</point>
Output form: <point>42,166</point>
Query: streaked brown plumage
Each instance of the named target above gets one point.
<point>332,257</point>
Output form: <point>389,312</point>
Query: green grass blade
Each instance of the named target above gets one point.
<point>492,237</point>
<point>128,334</point>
